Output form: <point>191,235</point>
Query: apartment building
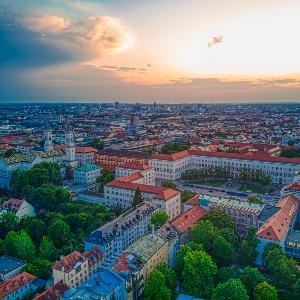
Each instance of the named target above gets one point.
<point>71,270</point>
<point>153,250</point>
<point>172,166</point>
<point>277,227</point>
<point>115,236</point>
<point>85,155</point>
<point>245,214</point>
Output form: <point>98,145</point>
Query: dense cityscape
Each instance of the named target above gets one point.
<point>149,150</point>
<point>149,201</point>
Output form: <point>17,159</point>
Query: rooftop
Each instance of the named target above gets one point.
<point>87,168</point>
<point>53,292</point>
<point>248,156</point>
<point>8,263</point>
<point>15,283</point>
<point>147,246</point>
<point>68,263</point>
<point>160,192</point>
<point>186,220</point>
<point>101,284</point>
<point>125,221</point>
<point>277,225</point>
<point>233,202</point>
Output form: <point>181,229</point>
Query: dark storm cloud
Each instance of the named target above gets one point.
<point>22,48</point>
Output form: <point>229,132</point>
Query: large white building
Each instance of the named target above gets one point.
<point>130,168</point>
<point>172,166</point>
<point>120,192</point>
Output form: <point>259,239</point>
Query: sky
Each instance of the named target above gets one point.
<point>168,51</point>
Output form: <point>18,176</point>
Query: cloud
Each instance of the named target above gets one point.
<point>21,48</point>
<point>215,40</point>
<point>48,24</point>
<point>88,38</point>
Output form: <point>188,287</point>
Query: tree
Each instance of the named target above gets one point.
<point>225,273</point>
<point>43,197</point>
<point>137,198</point>
<point>265,291</point>
<point>168,184</point>
<point>46,249</point>
<point>247,249</point>
<point>251,277</point>
<point>204,233</point>
<point>19,245</point>
<point>159,218</point>
<point>8,222</point>
<point>232,289</point>
<point>296,289</point>
<point>40,268</point>
<point>36,229</point>
<point>97,143</point>
<point>186,195</point>
<point>58,233</point>
<point>199,270</point>
<point>184,249</point>
<point>283,269</point>
<point>223,252</point>
<point>170,277</point>
<point>219,219</point>
<point>254,199</point>
<point>155,287</point>
<point>22,182</point>
<point>173,147</point>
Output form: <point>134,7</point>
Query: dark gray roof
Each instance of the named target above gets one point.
<point>8,264</point>
<point>267,212</point>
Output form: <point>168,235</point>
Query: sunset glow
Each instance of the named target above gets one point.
<point>162,45</point>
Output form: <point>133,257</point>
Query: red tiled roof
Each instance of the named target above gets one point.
<point>174,156</point>
<point>120,264</point>
<point>246,156</point>
<point>6,147</point>
<point>186,220</point>
<point>15,283</point>
<point>11,204</point>
<point>295,186</point>
<point>161,193</point>
<point>94,255</point>
<point>68,263</point>
<point>59,147</point>
<point>277,225</point>
<point>193,201</point>
<point>79,149</point>
<point>131,178</point>
<point>53,292</point>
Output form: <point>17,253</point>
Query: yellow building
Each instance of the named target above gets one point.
<point>152,249</point>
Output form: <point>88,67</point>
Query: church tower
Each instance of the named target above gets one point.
<point>70,148</point>
<point>48,145</point>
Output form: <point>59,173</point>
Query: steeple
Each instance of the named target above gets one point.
<point>48,145</point>
<point>70,147</point>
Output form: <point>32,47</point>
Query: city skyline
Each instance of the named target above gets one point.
<point>136,51</point>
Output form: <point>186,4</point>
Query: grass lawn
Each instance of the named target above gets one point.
<point>253,188</point>
<point>214,183</point>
